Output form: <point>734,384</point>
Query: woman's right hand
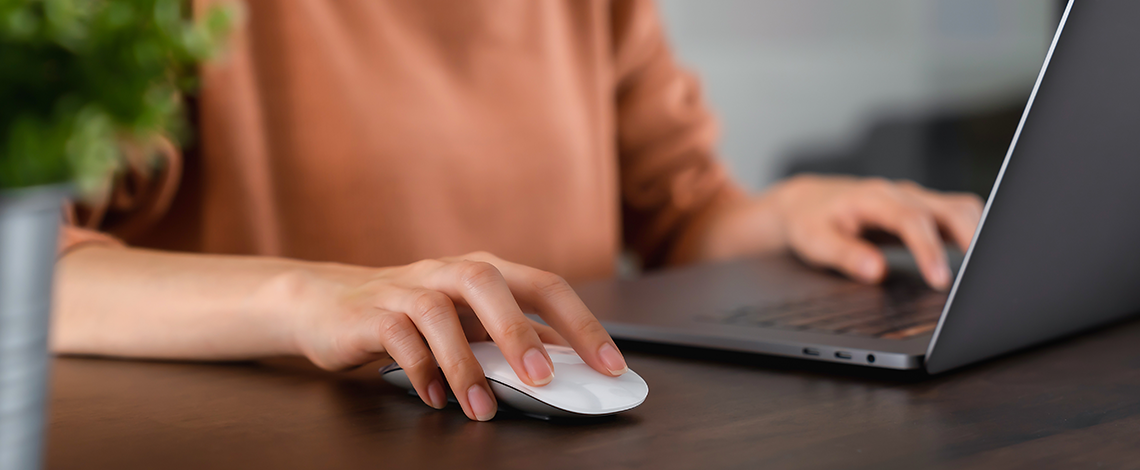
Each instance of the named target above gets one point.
<point>349,320</point>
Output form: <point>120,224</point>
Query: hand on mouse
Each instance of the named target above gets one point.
<point>822,219</point>
<point>447,302</point>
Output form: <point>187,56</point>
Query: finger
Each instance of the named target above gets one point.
<point>548,335</point>
<point>481,286</point>
<point>435,318</point>
<point>828,247</point>
<point>555,301</point>
<point>403,342</point>
<point>914,224</point>
<point>958,214</point>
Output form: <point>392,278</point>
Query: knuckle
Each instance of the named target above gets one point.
<point>909,185</point>
<point>419,361</point>
<point>878,185</point>
<point>587,325</point>
<point>516,331</point>
<point>790,187</point>
<point>476,274</point>
<point>879,192</point>
<point>806,179</point>
<point>550,285</point>
<point>480,255</point>
<point>432,306</point>
<point>913,215</point>
<point>461,364</point>
<point>426,265</point>
<point>393,327</point>
<point>805,183</point>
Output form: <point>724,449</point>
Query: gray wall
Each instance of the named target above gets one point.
<point>785,74</point>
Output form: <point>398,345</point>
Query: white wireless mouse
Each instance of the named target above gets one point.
<point>576,391</point>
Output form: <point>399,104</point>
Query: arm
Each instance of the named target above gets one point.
<point>680,207</point>
<point>139,303</point>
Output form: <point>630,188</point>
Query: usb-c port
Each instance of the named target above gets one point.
<point>811,352</point>
<point>843,354</point>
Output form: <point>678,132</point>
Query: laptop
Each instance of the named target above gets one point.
<point>1057,250</point>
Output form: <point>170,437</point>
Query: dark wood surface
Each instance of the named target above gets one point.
<point>1071,404</point>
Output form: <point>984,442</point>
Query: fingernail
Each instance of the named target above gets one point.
<point>537,367</point>
<point>869,269</point>
<point>481,403</point>
<point>436,397</point>
<point>612,359</point>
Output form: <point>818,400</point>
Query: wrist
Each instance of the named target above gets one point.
<point>287,302</point>
<point>746,225</point>
<point>779,198</point>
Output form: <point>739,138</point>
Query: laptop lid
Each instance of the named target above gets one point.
<point>1058,246</point>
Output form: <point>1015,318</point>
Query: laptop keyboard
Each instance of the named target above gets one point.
<point>902,308</point>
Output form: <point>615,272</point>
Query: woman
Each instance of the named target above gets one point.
<point>351,152</point>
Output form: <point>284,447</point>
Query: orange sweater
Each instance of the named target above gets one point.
<point>382,132</point>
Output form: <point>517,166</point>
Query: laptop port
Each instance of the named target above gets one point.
<point>843,354</point>
<point>811,352</point>
<point>871,358</point>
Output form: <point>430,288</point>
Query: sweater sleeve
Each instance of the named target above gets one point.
<point>670,175</point>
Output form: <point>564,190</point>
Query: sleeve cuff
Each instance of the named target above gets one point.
<point>72,238</point>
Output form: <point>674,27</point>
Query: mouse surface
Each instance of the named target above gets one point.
<point>577,390</point>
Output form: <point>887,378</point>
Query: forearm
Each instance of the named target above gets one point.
<point>141,303</point>
<point>733,225</point>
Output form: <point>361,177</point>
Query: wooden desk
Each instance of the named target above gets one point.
<point>1071,404</point>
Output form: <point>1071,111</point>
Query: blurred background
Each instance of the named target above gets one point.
<point>928,90</point>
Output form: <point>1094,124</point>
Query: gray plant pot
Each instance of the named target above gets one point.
<point>29,227</point>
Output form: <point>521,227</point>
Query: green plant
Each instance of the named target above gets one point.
<point>80,77</point>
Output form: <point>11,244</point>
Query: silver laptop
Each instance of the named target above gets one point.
<point>1057,251</point>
